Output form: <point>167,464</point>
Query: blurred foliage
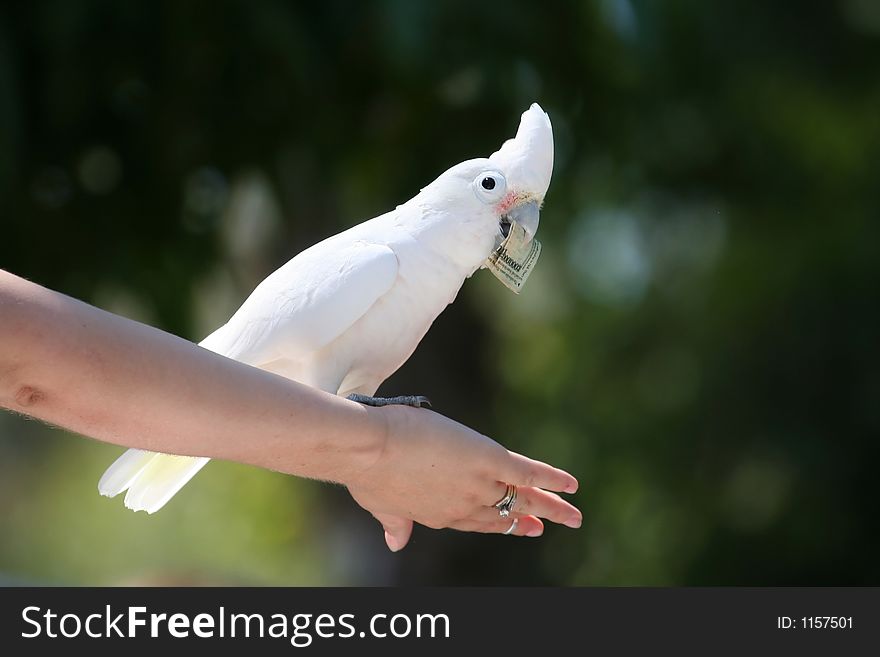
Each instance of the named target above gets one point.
<point>698,343</point>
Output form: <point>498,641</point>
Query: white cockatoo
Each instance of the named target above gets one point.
<point>346,313</point>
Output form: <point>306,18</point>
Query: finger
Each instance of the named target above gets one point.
<point>524,471</point>
<point>397,530</point>
<point>525,526</point>
<point>540,503</point>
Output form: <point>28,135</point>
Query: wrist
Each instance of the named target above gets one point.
<point>368,442</point>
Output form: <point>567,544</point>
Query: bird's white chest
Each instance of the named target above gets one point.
<point>385,337</point>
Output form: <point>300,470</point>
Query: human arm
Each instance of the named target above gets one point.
<point>123,382</point>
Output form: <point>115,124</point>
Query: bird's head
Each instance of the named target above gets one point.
<point>484,196</point>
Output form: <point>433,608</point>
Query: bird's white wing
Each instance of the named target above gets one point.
<point>307,303</point>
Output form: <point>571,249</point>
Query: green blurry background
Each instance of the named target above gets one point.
<point>698,343</point>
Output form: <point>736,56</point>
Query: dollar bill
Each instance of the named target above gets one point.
<point>513,260</point>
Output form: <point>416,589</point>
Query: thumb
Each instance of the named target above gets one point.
<point>397,530</point>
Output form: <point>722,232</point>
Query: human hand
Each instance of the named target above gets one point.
<point>439,473</point>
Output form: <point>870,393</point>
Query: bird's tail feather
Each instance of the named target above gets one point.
<point>150,478</point>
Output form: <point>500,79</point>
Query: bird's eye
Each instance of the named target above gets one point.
<point>490,186</point>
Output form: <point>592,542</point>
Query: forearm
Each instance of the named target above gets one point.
<point>122,382</point>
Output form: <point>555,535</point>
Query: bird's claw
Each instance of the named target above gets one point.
<point>416,401</point>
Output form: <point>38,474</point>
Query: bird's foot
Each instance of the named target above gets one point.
<point>417,401</point>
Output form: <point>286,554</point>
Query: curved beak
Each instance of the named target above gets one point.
<point>527,215</point>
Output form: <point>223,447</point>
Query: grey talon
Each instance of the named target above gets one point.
<point>416,401</point>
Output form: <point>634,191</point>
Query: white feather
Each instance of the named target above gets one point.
<point>309,302</point>
<point>123,472</point>
<point>160,480</point>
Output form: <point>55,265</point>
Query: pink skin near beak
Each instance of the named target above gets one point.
<point>504,205</point>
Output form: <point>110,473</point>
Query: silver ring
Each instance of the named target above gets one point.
<point>512,527</point>
<point>505,504</point>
